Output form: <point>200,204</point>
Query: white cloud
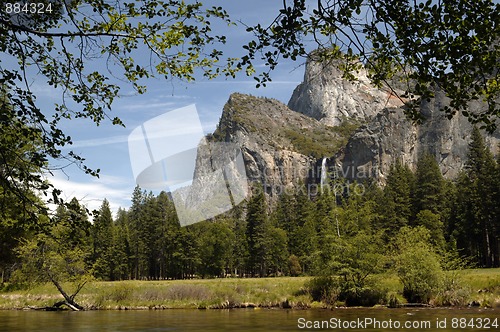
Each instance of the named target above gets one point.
<point>91,194</point>
<point>97,142</point>
<point>146,105</point>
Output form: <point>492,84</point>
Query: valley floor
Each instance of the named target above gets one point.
<point>282,292</point>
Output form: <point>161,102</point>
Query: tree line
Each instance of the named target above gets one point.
<point>298,235</point>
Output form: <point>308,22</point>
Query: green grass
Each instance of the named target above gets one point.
<point>484,285</point>
<point>199,293</point>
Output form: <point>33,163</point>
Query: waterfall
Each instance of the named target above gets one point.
<point>323,172</point>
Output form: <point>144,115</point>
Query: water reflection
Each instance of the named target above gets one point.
<point>234,320</point>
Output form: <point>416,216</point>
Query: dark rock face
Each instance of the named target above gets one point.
<point>390,136</point>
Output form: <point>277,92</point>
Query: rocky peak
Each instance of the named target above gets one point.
<point>327,96</point>
<point>280,147</point>
<point>359,129</point>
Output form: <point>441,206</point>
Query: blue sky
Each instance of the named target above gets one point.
<point>105,146</point>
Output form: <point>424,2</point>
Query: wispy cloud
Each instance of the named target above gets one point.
<point>91,194</point>
<point>146,105</point>
<point>97,142</point>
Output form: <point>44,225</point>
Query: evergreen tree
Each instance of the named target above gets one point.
<point>240,251</point>
<point>285,218</point>
<point>149,236</point>
<point>305,238</point>
<point>277,252</point>
<point>432,222</point>
<point>120,250</point>
<point>102,242</point>
<point>395,208</point>
<point>325,215</point>
<point>429,199</point>
<point>135,215</point>
<point>186,257</point>
<point>429,185</point>
<point>215,240</point>
<point>168,229</point>
<point>256,233</point>
<point>476,220</point>
<point>74,218</point>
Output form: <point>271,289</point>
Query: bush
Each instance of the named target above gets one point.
<point>330,289</point>
<point>417,265</point>
<point>362,296</point>
<point>394,300</point>
<point>452,292</point>
<point>294,266</point>
<point>120,293</point>
<point>323,289</point>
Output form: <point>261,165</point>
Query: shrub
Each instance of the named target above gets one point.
<point>417,265</point>
<point>120,293</point>
<point>452,292</point>
<point>394,300</point>
<point>365,297</point>
<point>294,266</point>
<point>362,296</point>
<point>323,289</point>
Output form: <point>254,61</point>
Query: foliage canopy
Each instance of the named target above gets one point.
<point>88,50</point>
<point>444,45</point>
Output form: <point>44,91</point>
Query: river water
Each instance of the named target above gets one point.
<point>254,320</point>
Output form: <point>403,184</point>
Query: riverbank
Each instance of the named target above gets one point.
<point>284,292</point>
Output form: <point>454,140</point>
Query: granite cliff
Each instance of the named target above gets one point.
<point>280,147</point>
<point>330,98</point>
<point>334,123</point>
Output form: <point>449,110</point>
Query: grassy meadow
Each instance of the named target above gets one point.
<point>483,287</point>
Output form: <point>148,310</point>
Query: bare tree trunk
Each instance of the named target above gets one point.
<point>68,300</point>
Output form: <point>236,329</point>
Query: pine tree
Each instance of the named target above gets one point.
<point>396,207</point>
<point>168,229</point>
<point>135,216</point>
<point>476,221</point>
<point>102,241</point>
<point>256,233</point>
<point>240,248</point>
<point>277,252</point>
<point>429,185</point>
<point>285,218</point>
<point>216,239</point>
<point>120,250</point>
<point>150,237</point>
<point>429,199</point>
<point>305,238</point>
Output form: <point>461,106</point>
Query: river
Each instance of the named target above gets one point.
<point>252,320</point>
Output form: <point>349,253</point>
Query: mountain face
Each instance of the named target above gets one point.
<point>328,97</point>
<point>390,136</point>
<point>331,123</point>
<point>280,147</point>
